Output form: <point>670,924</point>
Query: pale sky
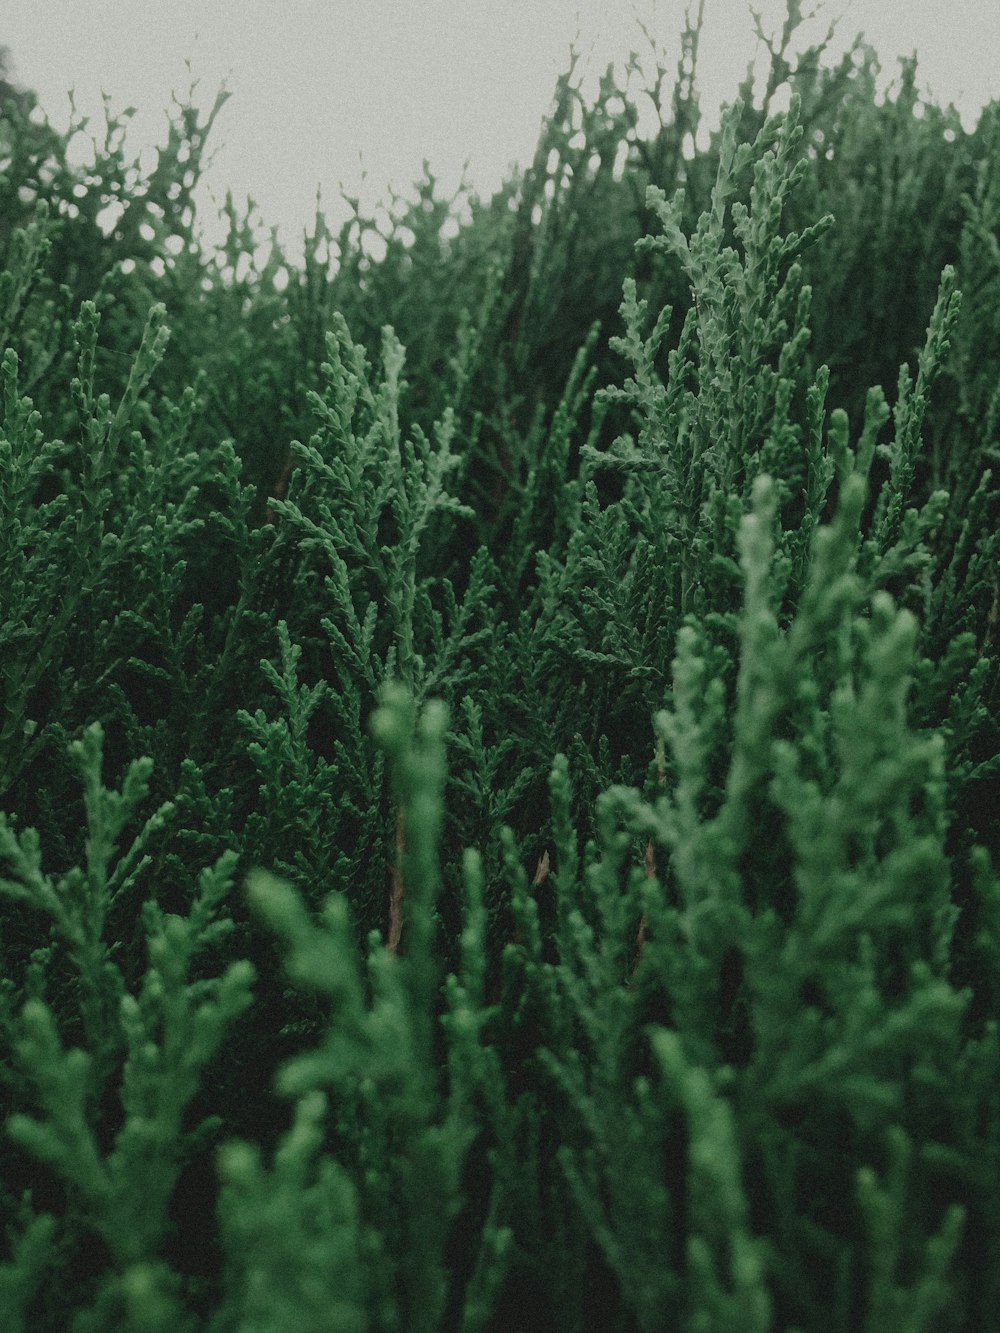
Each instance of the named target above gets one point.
<point>322,89</point>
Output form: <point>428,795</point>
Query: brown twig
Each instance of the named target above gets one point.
<point>280,486</point>
<point>397,889</point>
<point>640,939</point>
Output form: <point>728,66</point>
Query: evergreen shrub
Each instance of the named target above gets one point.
<point>534,698</point>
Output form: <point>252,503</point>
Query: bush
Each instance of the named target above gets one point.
<point>313,588</point>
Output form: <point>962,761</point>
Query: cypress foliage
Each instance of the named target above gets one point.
<point>534,698</point>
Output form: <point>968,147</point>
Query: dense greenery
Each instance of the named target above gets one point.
<point>534,697</point>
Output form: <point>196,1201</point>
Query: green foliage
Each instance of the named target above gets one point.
<point>371,1239</point>
<point>611,772</point>
<point>146,1051</point>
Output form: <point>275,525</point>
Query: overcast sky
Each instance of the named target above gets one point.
<point>322,89</point>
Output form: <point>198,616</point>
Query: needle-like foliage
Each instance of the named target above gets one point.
<point>534,697</point>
